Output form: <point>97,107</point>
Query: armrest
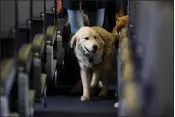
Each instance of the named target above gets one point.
<point>38,44</point>
<point>31,97</point>
<point>51,33</point>
<point>25,56</point>
<point>7,75</point>
<point>43,82</point>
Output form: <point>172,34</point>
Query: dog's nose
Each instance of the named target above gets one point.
<point>95,47</point>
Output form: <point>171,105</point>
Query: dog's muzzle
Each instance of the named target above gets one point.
<point>85,51</point>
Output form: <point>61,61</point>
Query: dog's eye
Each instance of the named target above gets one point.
<point>95,37</point>
<point>86,38</point>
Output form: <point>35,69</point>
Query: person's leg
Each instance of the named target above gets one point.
<point>111,11</point>
<point>96,18</point>
<point>76,20</point>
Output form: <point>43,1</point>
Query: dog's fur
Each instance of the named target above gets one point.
<point>95,63</point>
<point>67,31</point>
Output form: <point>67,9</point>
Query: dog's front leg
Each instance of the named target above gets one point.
<point>85,77</point>
<point>104,90</point>
<point>95,78</point>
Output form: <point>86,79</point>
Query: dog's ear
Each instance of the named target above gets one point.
<point>73,41</point>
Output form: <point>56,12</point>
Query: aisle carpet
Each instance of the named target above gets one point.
<point>65,106</point>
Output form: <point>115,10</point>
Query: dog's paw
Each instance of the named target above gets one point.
<point>100,84</point>
<point>103,93</point>
<point>85,98</point>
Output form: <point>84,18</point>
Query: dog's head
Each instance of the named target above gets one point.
<point>87,40</point>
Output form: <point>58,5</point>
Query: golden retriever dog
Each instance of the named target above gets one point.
<point>67,31</point>
<point>95,50</point>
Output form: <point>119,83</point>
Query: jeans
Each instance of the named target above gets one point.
<point>96,18</point>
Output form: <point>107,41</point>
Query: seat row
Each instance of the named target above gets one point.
<point>28,64</point>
